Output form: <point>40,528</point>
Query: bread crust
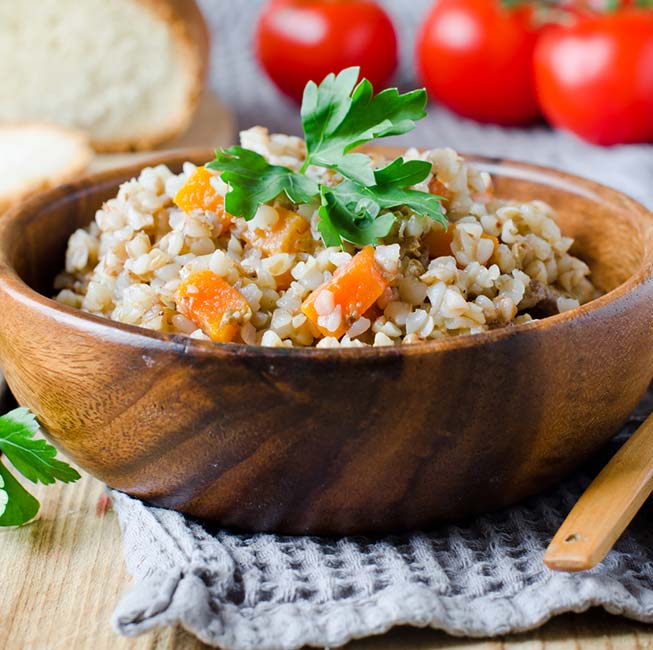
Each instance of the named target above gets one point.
<point>71,170</point>
<point>191,35</point>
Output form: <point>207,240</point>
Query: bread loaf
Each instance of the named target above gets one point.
<point>129,72</point>
<point>36,156</point>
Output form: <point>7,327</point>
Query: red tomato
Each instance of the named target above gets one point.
<point>595,77</point>
<point>302,40</point>
<point>476,58</point>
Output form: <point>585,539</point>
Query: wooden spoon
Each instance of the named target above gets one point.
<point>608,505</point>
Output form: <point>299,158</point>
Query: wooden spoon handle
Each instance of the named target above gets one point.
<point>607,506</point>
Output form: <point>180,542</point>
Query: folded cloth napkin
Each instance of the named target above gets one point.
<point>267,592</point>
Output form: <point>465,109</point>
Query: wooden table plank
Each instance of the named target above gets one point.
<point>61,576</point>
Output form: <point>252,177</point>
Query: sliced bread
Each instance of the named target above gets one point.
<point>129,72</point>
<point>36,156</point>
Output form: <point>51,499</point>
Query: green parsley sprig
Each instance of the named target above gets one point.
<point>34,458</point>
<point>337,116</point>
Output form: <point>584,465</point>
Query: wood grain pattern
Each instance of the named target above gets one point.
<point>608,505</point>
<point>63,574</point>
<point>333,441</point>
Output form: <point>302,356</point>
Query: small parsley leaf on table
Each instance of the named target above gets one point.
<point>34,458</point>
<point>17,505</point>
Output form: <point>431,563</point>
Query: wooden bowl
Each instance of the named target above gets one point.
<point>333,441</point>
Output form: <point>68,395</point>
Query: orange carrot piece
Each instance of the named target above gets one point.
<point>492,238</point>
<point>440,189</point>
<point>213,305</point>
<point>284,280</point>
<point>197,193</point>
<point>354,288</point>
<point>438,241</point>
<point>495,245</point>
<point>291,233</point>
<point>483,197</point>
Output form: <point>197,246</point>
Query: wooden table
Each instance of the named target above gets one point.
<point>61,576</point>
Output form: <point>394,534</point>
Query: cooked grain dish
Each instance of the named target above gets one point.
<point>271,281</point>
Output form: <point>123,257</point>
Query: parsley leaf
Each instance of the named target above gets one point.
<point>391,183</point>
<point>402,172</point>
<point>337,117</point>
<point>340,221</point>
<point>388,192</point>
<point>254,181</point>
<point>34,458</point>
<point>17,505</point>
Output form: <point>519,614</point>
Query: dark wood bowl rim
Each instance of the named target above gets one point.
<point>101,327</point>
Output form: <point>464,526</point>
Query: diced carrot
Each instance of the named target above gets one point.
<point>289,234</point>
<point>495,243</point>
<point>284,280</point>
<point>213,305</point>
<point>440,189</point>
<point>492,238</point>
<point>483,197</point>
<point>352,290</point>
<point>438,241</point>
<point>197,193</point>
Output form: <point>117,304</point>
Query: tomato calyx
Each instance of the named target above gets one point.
<point>578,7</point>
<point>551,12</point>
<point>566,13</point>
